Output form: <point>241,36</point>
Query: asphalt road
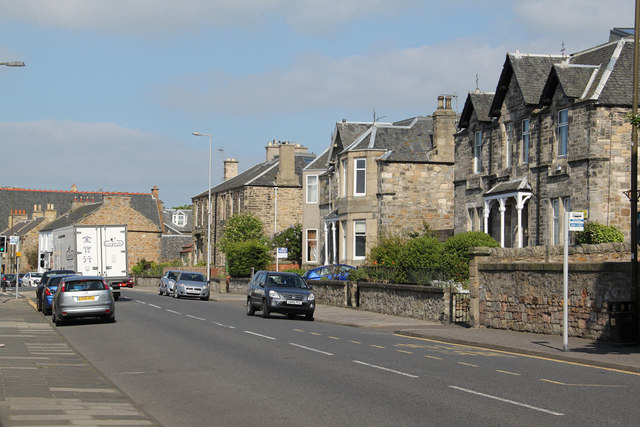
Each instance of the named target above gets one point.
<point>189,362</point>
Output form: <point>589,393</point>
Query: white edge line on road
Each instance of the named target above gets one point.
<point>385,369</point>
<point>173,311</point>
<point>311,349</point>
<point>260,335</point>
<point>194,317</point>
<point>154,306</point>
<point>535,408</point>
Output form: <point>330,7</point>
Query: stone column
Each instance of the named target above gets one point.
<point>502,209</point>
<point>333,241</point>
<point>485,214</point>
<point>326,244</point>
<point>476,256</point>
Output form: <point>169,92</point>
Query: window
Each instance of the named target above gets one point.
<point>179,218</point>
<point>508,130</point>
<point>360,176</point>
<point>343,225</point>
<point>563,132</point>
<point>360,239</point>
<point>312,245</point>
<point>472,219</point>
<point>344,178</point>
<point>525,141</point>
<point>202,213</point>
<point>312,188</point>
<point>477,152</point>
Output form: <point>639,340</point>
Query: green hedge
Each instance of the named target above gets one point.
<point>243,256</point>
<point>455,252</point>
<point>597,233</point>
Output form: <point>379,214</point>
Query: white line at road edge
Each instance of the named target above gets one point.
<point>535,408</point>
<point>386,369</point>
<point>194,317</point>
<point>311,349</point>
<point>260,335</point>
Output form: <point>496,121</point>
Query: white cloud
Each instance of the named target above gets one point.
<point>408,79</point>
<point>101,156</point>
<point>142,16</point>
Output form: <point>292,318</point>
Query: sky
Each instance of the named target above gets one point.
<point>113,89</point>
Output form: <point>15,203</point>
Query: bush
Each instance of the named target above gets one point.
<point>387,251</point>
<point>241,228</point>
<point>151,268</point>
<point>291,238</point>
<point>597,233</point>
<point>421,253</point>
<point>243,256</point>
<point>455,252</point>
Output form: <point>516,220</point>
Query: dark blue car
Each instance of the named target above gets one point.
<point>50,290</point>
<point>329,272</point>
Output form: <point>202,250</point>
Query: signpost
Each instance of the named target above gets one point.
<point>573,221</point>
<point>281,253</point>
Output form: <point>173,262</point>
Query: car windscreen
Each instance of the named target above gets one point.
<point>36,275</point>
<point>192,277</point>
<point>85,285</point>
<point>286,282</point>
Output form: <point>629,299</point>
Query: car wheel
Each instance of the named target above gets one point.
<point>160,291</point>
<point>175,294</point>
<point>116,297</point>
<point>38,304</point>
<point>47,312</point>
<point>265,309</point>
<point>291,316</point>
<point>250,309</point>
<point>309,317</point>
<point>56,320</point>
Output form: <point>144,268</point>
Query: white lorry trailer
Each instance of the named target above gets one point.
<point>92,250</point>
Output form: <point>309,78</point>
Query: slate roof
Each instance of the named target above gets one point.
<point>320,162</point>
<point>72,217</point>
<point>603,74</point>
<point>344,134</point>
<point>23,227</point>
<point>512,186</point>
<point>410,140</point>
<point>260,175</point>
<point>25,199</point>
<point>530,72</point>
<point>478,102</point>
<point>171,227</point>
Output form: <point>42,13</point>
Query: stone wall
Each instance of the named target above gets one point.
<point>522,289</point>
<point>418,302</point>
<point>331,292</point>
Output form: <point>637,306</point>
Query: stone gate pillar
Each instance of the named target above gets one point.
<point>476,256</point>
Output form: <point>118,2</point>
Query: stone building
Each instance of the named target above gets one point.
<point>25,212</point>
<point>271,190</point>
<point>177,234</point>
<point>378,179</point>
<point>552,138</point>
<point>143,231</point>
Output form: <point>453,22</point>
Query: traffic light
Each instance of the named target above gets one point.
<point>3,244</point>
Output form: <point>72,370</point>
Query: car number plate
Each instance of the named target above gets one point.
<point>294,302</point>
<point>86,298</point>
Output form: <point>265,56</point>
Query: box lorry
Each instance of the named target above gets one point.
<point>92,250</point>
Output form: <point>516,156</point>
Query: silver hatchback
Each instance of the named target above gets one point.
<point>191,284</point>
<point>82,296</point>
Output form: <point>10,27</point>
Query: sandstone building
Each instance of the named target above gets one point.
<point>553,137</point>
<point>271,190</point>
<point>378,179</point>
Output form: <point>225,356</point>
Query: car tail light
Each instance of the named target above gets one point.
<point>47,291</point>
<point>63,287</point>
<point>106,285</point>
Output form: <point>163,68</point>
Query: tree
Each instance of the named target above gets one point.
<point>291,238</point>
<point>241,228</point>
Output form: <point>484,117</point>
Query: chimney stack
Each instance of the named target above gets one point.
<point>444,127</point>
<point>287,167</point>
<point>230,169</point>
<point>155,192</point>
<point>37,212</point>
<point>50,214</point>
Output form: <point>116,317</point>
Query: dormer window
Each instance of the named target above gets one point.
<point>179,218</point>
<point>477,152</point>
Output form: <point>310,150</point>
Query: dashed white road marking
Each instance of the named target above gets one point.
<point>141,302</point>
<point>513,402</point>
<point>154,306</point>
<point>173,311</point>
<point>386,369</point>
<point>311,349</point>
<point>194,317</point>
<point>260,335</point>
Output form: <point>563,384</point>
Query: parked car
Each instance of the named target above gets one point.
<point>83,296</point>
<point>49,291</point>
<point>31,279</point>
<point>43,283</point>
<point>329,272</point>
<point>168,281</point>
<point>275,292</point>
<point>191,284</point>
<point>129,283</point>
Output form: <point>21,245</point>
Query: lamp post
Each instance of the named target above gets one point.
<point>208,208</point>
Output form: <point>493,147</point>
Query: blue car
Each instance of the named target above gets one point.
<point>50,290</point>
<point>329,272</point>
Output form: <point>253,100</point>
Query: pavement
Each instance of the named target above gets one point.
<point>44,381</point>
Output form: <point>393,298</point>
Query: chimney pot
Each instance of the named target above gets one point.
<point>440,102</point>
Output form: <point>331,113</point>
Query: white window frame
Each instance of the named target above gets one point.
<point>526,140</point>
<point>555,221</point>
<point>312,189</point>
<point>508,130</point>
<point>356,235</point>
<point>563,133</point>
<point>202,213</point>
<point>307,240</point>
<point>179,218</point>
<point>343,225</point>
<point>477,151</point>
<point>363,175</point>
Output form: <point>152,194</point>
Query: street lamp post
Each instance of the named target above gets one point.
<point>208,208</point>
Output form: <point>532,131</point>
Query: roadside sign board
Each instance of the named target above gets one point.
<point>576,221</point>
<point>13,240</point>
<point>283,253</point>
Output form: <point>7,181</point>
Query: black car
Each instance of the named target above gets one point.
<point>275,292</point>
<point>43,284</point>
<point>7,280</point>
